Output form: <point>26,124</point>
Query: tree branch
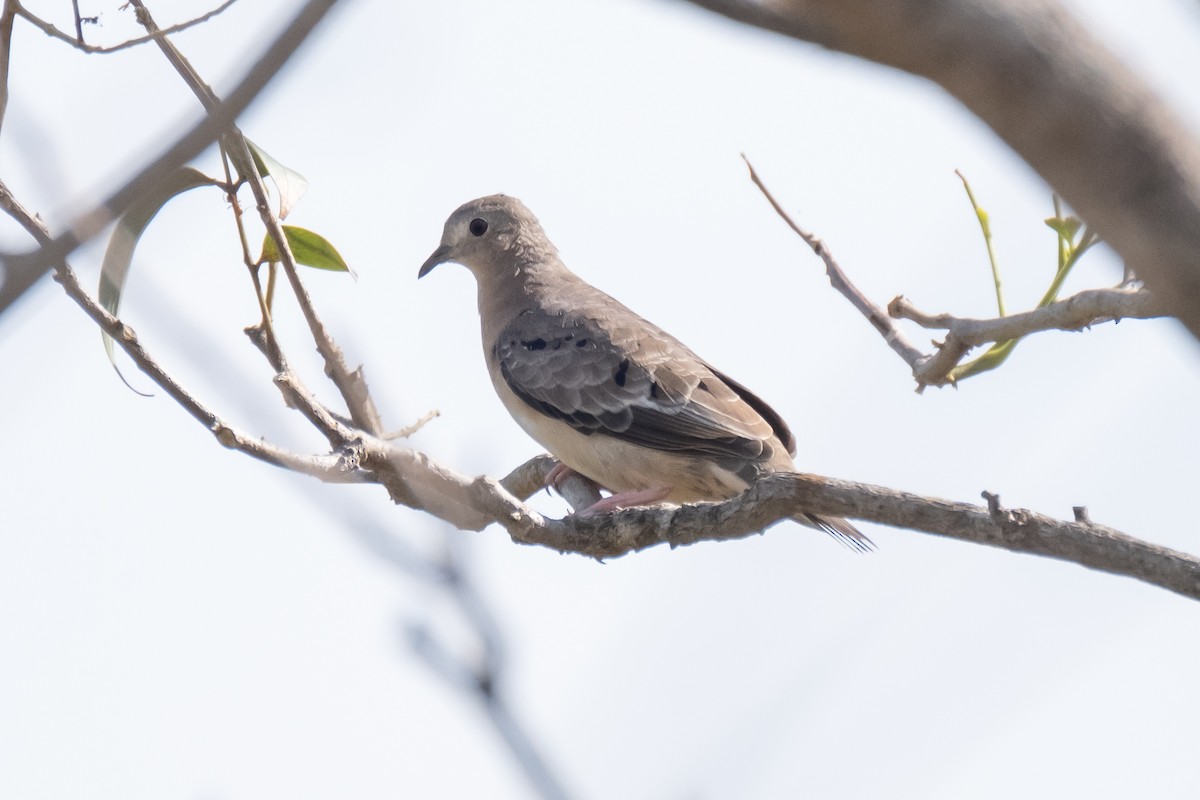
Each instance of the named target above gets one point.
<point>472,503</point>
<point>875,315</point>
<point>1083,310</point>
<point>1087,308</point>
<point>78,43</point>
<point>30,266</point>
<point>1097,134</point>
<point>351,384</point>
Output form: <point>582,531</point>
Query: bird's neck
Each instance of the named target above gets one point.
<point>503,297</point>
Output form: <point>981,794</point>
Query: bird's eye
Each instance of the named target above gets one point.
<point>478,226</point>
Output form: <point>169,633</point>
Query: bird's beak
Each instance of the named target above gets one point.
<point>441,255</point>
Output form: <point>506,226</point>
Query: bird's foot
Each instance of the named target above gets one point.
<point>558,474</point>
<point>640,497</point>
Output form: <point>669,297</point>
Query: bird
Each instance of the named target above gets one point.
<point>610,395</point>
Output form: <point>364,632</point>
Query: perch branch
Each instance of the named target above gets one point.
<point>472,503</point>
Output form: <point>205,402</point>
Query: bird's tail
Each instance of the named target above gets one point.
<point>839,529</point>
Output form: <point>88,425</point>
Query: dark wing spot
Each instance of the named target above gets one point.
<point>621,373</point>
<point>653,390</point>
<point>535,344</point>
<point>702,386</point>
<point>581,343</point>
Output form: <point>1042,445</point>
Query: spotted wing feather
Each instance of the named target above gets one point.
<point>634,382</point>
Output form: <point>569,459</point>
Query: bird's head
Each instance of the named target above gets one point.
<point>490,236</point>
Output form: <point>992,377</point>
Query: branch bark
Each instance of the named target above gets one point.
<point>1097,134</point>
<point>1079,311</point>
<point>779,497</point>
<point>1082,310</point>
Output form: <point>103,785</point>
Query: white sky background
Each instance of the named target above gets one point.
<point>179,621</point>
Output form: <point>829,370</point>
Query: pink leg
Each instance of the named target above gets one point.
<point>560,473</point>
<point>640,497</point>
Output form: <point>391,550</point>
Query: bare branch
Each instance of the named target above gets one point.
<point>874,314</point>
<point>1083,310</point>
<point>18,277</point>
<point>78,21</point>
<point>473,503</point>
<point>1087,308</point>
<point>409,430</point>
<point>1094,130</point>
<point>334,468</point>
<point>78,43</point>
<point>530,478</point>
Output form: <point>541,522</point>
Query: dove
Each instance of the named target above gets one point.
<point>609,394</point>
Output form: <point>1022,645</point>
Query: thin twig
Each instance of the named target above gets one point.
<point>409,430</point>
<point>333,468</point>
<point>1087,308</point>
<point>351,383</point>
<point>1041,79</point>
<point>78,44</point>
<point>78,22</point>
<point>874,314</point>
<point>33,265</point>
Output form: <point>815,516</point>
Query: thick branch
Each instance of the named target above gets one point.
<point>1066,105</point>
<point>472,503</point>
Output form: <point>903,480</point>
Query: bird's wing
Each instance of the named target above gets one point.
<point>620,376</point>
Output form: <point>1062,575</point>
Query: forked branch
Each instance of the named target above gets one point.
<point>1082,310</point>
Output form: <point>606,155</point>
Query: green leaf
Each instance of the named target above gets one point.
<point>310,249</point>
<point>119,256</point>
<point>1066,227</point>
<point>291,184</point>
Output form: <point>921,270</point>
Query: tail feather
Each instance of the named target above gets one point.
<point>839,529</point>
